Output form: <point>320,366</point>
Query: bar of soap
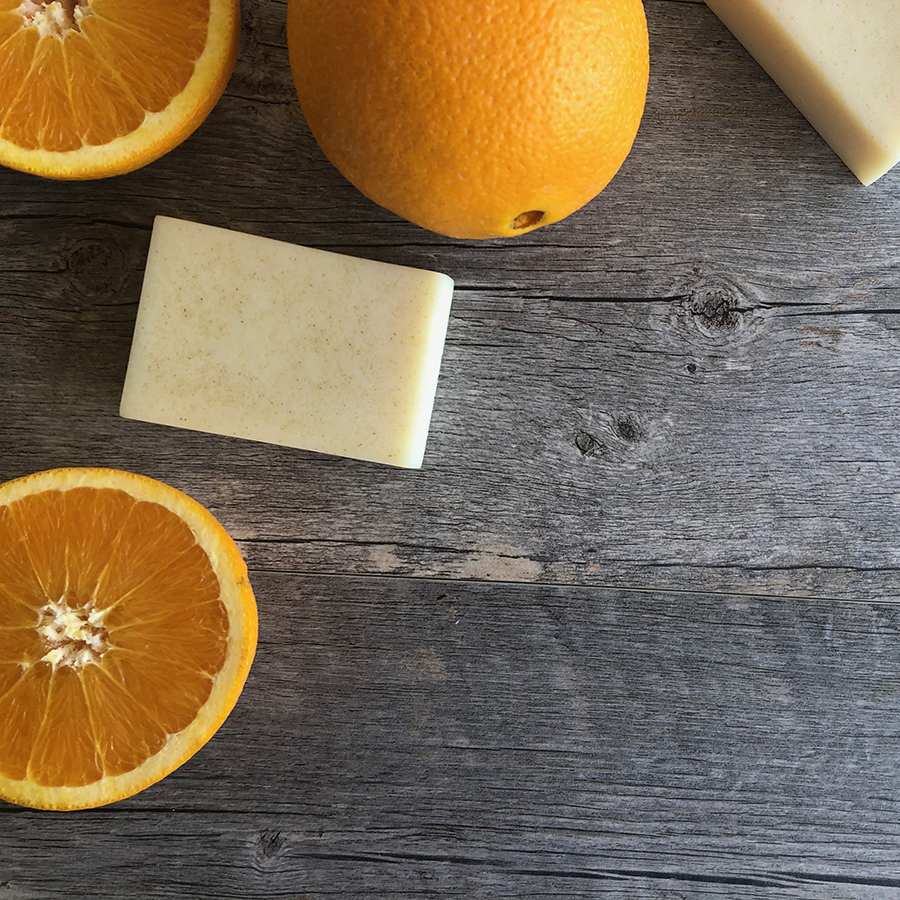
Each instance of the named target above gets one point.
<point>255,338</point>
<point>839,63</point>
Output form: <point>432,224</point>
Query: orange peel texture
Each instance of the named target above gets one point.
<point>474,120</point>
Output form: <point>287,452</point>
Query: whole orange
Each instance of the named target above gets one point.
<point>473,119</point>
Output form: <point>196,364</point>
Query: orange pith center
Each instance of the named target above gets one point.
<point>55,16</point>
<point>112,631</point>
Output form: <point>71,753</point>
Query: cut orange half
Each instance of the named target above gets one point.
<point>90,88</point>
<point>127,629</point>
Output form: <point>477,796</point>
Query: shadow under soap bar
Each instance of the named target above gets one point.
<point>839,63</point>
<point>255,338</point>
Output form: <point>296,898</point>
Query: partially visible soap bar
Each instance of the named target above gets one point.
<point>839,62</point>
<point>255,338</point>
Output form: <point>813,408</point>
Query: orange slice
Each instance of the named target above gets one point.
<point>127,629</point>
<point>90,88</point>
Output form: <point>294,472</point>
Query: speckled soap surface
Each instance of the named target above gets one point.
<point>839,62</point>
<point>255,338</point>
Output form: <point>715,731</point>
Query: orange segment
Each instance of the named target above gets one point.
<point>132,735</point>
<point>106,108</point>
<point>90,88</point>
<point>131,53</point>
<point>22,710</point>
<point>16,59</point>
<point>19,586</point>
<point>10,674</point>
<point>127,628</point>
<point>41,115</point>
<point>10,24</point>
<point>66,751</point>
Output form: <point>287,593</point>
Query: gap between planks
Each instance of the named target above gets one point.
<point>588,588</point>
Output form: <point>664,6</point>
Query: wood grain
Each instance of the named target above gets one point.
<point>600,644</point>
<point>411,738</point>
<point>722,439</point>
<point>687,385</point>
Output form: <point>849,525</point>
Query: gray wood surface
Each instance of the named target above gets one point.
<point>417,738</point>
<point>629,632</point>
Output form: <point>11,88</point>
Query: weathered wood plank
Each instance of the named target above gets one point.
<point>412,738</point>
<point>726,179</point>
<point>727,421</point>
<point>727,440</point>
<point>688,384</point>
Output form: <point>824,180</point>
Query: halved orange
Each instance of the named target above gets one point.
<point>90,88</point>
<point>127,629</point>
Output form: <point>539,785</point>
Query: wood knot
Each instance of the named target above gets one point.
<point>717,308</point>
<point>269,845</point>
<point>102,266</point>
<point>620,432</point>
<point>587,444</point>
<point>628,429</point>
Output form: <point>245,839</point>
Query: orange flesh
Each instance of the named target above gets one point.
<point>98,81</point>
<point>161,627</point>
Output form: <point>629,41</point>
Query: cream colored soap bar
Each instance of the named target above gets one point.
<point>839,62</point>
<point>255,338</point>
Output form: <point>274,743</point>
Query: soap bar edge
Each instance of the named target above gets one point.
<point>435,325</point>
<point>770,45</point>
<point>438,324</point>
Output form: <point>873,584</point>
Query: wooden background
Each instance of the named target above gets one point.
<point>631,632</point>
